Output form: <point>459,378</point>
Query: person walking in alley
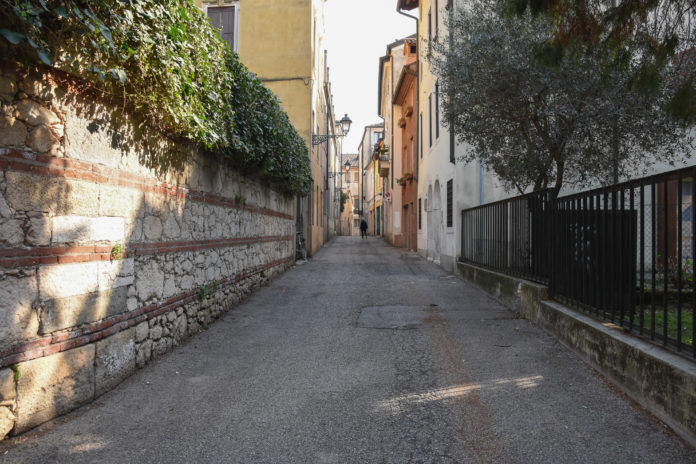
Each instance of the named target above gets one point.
<point>363,229</point>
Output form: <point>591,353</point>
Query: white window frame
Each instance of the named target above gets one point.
<point>234,5</point>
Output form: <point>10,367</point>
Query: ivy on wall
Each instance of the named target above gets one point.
<point>172,70</point>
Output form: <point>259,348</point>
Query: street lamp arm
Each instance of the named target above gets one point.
<point>319,139</point>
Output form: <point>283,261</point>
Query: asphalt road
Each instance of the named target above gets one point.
<point>365,354</point>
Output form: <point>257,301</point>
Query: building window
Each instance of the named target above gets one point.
<point>437,111</point>
<point>430,120</point>
<point>225,20</point>
<point>450,205</point>
<point>420,214</point>
<point>436,25</point>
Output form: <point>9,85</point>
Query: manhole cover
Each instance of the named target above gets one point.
<point>391,317</point>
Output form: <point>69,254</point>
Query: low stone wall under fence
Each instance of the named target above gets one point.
<point>105,265</point>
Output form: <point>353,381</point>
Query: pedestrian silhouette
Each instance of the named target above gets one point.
<point>363,229</point>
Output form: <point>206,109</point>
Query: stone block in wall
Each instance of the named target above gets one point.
<point>82,229</point>
<point>11,233</point>
<point>35,114</point>
<point>170,287</point>
<point>8,89</point>
<point>54,385</point>
<point>144,353</point>
<point>18,321</point>
<point>171,228</point>
<point>142,331</point>
<point>36,85</point>
<point>150,282</point>
<point>119,201</point>
<point>27,192</point>
<point>93,140</point>
<point>7,421</point>
<point>42,140</point>
<point>116,273</point>
<point>76,310</point>
<point>13,132</point>
<point>7,386</point>
<point>66,280</point>
<point>115,360</point>
<point>39,231</point>
<point>152,228</point>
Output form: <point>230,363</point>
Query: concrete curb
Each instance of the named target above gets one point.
<point>662,382</point>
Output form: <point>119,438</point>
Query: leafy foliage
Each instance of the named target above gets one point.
<point>344,198</point>
<point>654,34</point>
<point>169,66</point>
<point>537,126</point>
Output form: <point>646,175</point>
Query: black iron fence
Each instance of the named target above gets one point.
<point>510,235</point>
<point>624,253</point>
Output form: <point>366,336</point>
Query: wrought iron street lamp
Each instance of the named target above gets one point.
<point>345,123</point>
<point>333,174</point>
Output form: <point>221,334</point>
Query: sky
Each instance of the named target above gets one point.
<point>357,35</point>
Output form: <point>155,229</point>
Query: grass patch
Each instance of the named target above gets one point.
<point>687,322</point>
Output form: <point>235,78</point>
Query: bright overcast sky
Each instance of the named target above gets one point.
<point>357,35</point>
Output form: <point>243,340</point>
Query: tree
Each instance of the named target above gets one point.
<point>344,198</point>
<point>654,33</point>
<point>541,127</point>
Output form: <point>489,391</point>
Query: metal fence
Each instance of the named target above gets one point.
<point>510,236</point>
<point>623,253</point>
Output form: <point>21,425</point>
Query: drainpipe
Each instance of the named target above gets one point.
<point>392,155</point>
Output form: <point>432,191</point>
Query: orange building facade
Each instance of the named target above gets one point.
<point>406,105</point>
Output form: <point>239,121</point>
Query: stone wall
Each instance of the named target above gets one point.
<point>104,263</point>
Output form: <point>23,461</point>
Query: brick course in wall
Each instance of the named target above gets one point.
<point>104,262</point>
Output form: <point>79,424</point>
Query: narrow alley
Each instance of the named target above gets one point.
<point>364,354</point>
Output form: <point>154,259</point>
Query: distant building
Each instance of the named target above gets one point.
<point>372,186</point>
<point>281,42</point>
<point>350,218</point>
<point>398,106</point>
<point>445,186</point>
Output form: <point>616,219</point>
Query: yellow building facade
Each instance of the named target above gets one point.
<point>282,43</point>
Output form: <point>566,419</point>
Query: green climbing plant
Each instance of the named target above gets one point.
<point>168,65</point>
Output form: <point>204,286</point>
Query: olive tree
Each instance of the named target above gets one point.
<point>539,126</point>
<point>654,33</point>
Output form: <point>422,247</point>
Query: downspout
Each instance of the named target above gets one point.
<point>393,149</point>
